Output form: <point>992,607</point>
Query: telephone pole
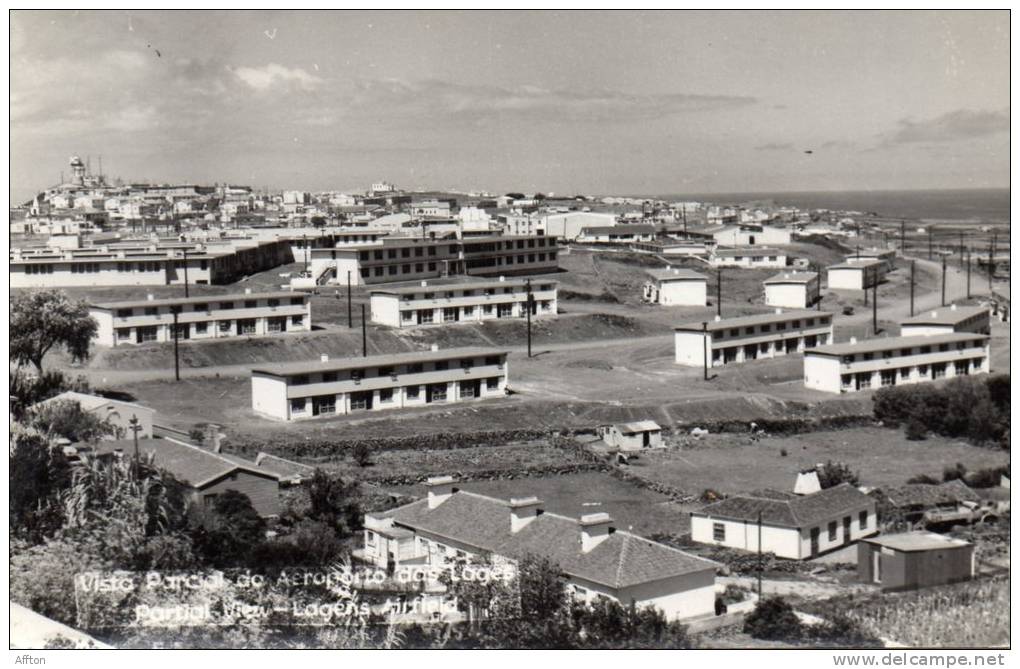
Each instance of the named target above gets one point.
<point>135,428</point>
<point>943,281</point>
<point>528,306</point>
<point>350,319</point>
<point>929,243</point>
<point>874,306</point>
<point>991,262</point>
<point>718,294</point>
<point>903,237</point>
<point>704,347</point>
<point>185,272</point>
<point>968,274</point>
<point>364,334</point>
<point>911,287</point>
<point>177,357</point>
<point>760,567</point>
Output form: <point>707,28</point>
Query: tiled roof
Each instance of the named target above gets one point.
<point>189,464</point>
<point>757,319</point>
<point>88,402</point>
<point>945,315</point>
<point>798,512</point>
<point>387,360</point>
<point>892,343</point>
<point>929,494</point>
<point>619,561</point>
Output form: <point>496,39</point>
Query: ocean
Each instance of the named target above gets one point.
<point>985,205</point>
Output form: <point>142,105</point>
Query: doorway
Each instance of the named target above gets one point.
<point>846,530</point>
<point>815,532</point>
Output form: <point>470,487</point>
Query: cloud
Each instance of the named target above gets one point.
<point>490,101</point>
<point>774,146</point>
<point>957,125</point>
<point>273,74</point>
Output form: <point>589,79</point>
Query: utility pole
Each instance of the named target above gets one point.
<point>929,243</point>
<point>911,287</point>
<point>528,305</point>
<point>135,429</point>
<point>185,272</point>
<point>364,334</point>
<point>903,236</point>
<point>308,253</point>
<point>968,274</point>
<point>991,262</point>
<point>350,321</point>
<point>874,306</point>
<point>718,294</point>
<point>943,281</point>
<point>760,567</point>
<point>177,357</point>
<point>704,346</point>
<point>961,247</point>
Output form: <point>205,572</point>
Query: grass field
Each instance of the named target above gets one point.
<point>643,511</point>
<point>733,463</point>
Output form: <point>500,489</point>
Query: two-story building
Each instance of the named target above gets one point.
<point>596,559</point>
<point>206,317</point>
<point>675,286</point>
<point>468,302</point>
<point>745,338</point>
<point>297,390</point>
<point>890,361</point>
<point>948,319</point>
<point>793,290</point>
<point>797,527</point>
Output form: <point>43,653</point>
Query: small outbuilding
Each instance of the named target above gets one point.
<point>635,436</point>
<point>913,560</point>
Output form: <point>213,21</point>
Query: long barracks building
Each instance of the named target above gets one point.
<point>207,317</point>
<point>746,338</point>
<point>411,259</point>
<point>292,391</point>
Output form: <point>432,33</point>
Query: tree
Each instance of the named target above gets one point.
<point>42,320</point>
<point>334,502</point>
<point>362,454</point>
<point>39,472</point>
<point>773,618</point>
<point>229,530</point>
<point>831,474</point>
<point>67,419</point>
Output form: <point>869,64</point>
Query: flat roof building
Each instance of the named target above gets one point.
<point>468,302</point>
<point>675,286</point>
<point>748,257</point>
<point>913,560</point>
<point>595,558</point>
<point>948,319</point>
<point>797,527</point>
<point>292,391</point>
<point>206,317</point>
<point>891,361</point>
<point>617,234</point>
<point>745,338</point>
<point>634,436</point>
<point>856,275</point>
<point>793,290</point>
<point>887,256</point>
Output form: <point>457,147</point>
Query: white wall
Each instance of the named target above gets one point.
<point>693,293</point>
<point>269,396</point>
<point>847,278</point>
<point>691,348</point>
<point>822,372</point>
<point>792,295</point>
<point>385,309</point>
<point>783,541</point>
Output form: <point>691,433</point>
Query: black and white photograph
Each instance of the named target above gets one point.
<point>510,330</point>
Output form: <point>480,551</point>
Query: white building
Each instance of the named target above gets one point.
<point>674,286</point>
<point>473,219</point>
<point>469,302</point>
<point>745,338</point>
<point>596,559</point>
<point>633,436</point>
<point>292,391</point>
<point>948,319</point>
<point>570,224</point>
<point>431,209</point>
<point>751,235</point>
<point>382,187</point>
<point>796,527</point>
<point>206,317</point>
<point>857,275</point>
<point>748,257</point>
<point>890,361</point>
<point>793,290</point>
<point>616,234</point>
<point>114,412</point>
<point>887,256</point>
<point>296,197</point>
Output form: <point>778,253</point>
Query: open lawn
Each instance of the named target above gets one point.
<point>733,463</point>
<point>642,511</point>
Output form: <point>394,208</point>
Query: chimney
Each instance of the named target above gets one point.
<point>424,284</point>
<point>502,278</point>
<point>216,437</point>
<point>853,340</point>
<point>247,291</point>
<point>440,489</point>
<point>523,510</point>
<point>952,307</point>
<point>595,528</point>
<point>150,297</point>
<point>807,482</point>
<point>324,357</point>
<point>779,310</point>
<point>434,347</point>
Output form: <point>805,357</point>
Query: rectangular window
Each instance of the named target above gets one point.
<point>862,520</point>
<point>297,320</point>
<point>125,313</point>
<point>276,324</point>
<point>832,530</point>
<point>246,326</point>
<point>718,532</point>
<point>226,305</point>
<point>297,405</point>
<point>297,301</point>
<point>201,306</point>
<point>151,311</point>
<point>442,365</point>
<point>437,392</point>
<point>425,316</point>
<point>201,328</point>
<point>123,333</point>
<point>492,383</point>
<point>225,326</point>
<point>386,395</point>
<point>412,392</point>
<point>361,401</point>
<point>250,304</point>
<point>415,368</point>
<point>273,302</point>
<point>147,334</point>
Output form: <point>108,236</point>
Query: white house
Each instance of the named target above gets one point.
<point>205,317</point>
<point>675,286</point>
<point>116,412</point>
<point>596,558</point>
<point>748,257</point>
<point>857,275</point>
<point>633,436</point>
<point>797,527</point>
<point>890,361</point>
<point>887,256</point>
<point>948,319</point>
<point>745,338</point>
<point>297,390</point>
<point>616,234</point>
<point>794,290</point>
<point>469,302</point>
<point>568,225</point>
<point>751,235</point>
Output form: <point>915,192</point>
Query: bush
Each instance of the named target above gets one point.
<point>773,618</point>
<point>923,478</point>
<point>362,454</point>
<point>831,474</point>
<point>916,430</point>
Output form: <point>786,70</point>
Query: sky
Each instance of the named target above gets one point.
<point>564,102</point>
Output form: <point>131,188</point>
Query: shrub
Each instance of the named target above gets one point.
<point>831,474</point>
<point>957,471</point>
<point>916,430</point>
<point>362,454</point>
<point>976,408</point>
<point>923,478</point>
<point>773,618</point>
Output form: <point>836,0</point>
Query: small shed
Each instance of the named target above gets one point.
<point>634,436</point>
<point>913,560</point>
